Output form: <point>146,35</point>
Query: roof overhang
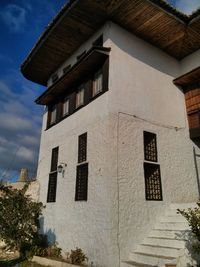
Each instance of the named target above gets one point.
<point>188,79</point>
<point>151,20</point>
<point>96,56</point>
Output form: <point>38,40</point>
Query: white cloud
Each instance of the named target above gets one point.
<point>12,122</point>
<point>14,16</point>
<point>25,154</point>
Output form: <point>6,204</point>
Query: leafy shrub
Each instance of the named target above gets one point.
<point>19,220</point>
<point>52,251</point>
<point>76,256</point>
<point>193,218</point>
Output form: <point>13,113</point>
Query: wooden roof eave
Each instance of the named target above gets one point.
<point>82,68</point>
<point>188,79</point>
<point>49,53</point>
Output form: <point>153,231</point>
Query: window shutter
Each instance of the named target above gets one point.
<point>105,74</point>
<point>82,148</point>
<point>59,112</point>
<point>72,102</point>
<point>81,182</point>
<point>88,92</point>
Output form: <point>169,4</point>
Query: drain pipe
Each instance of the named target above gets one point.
<point>196,168</point>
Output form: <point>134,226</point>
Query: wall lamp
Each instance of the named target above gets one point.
<point>61,168</point>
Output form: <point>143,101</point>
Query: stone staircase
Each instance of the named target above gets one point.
<point>165,242</point>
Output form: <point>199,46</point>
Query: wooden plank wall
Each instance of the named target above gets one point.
<point>192,99</point>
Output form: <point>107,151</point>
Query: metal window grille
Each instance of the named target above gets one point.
<point>150,147</point>
<point>82,148</point>
<point>153,187</point>
<point>51,195</point>
<point>81,182</point>
<point>54,159</point>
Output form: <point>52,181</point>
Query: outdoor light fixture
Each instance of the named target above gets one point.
<point>61,168</point>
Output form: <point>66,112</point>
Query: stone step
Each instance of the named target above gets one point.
<point>158,251</point>
<point>170,234</point>
<point>182,206</point>
<point>177,226</point>
<point>142,259</point>
<point>173,218</point>
<point>172,212</point>
<point>164,242</point>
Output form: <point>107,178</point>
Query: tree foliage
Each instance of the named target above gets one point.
<point>19,217</point>
<point>193,218</point>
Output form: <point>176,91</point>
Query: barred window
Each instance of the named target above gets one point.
<point>153,186</point>
<point>150,147</point>
<point>51,195</point>
<point>81,182</point>
<point>82,148</point>
<point>54,159</point>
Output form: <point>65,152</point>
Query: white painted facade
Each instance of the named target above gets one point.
<point>141,97</point>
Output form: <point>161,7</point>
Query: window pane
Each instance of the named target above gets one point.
<point>81,182</point>
<point>53,115</point>
<point>98,83</point>
<point>66,106</point>
<point>80,97</point>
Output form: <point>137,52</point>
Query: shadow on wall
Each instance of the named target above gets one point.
<point>51,236</point>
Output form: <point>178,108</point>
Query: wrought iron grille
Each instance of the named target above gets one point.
<point>150,147</point>
<point>51,195</point>
<point>153,187</point>
<point>81,182</point>
<point>82,148</point>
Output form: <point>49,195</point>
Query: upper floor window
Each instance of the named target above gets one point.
<point>80,96</point>
<point>65,110</point>
<point>53,113</point>
<point>98,83</point>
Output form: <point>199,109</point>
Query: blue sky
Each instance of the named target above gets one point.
<point>21,23</point>
<point>185,6</point>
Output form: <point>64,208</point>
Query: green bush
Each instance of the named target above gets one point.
<point>19,220</point>
<point>193,218</point>
<point>76,256</point>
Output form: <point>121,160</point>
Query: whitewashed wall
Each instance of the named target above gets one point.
<point>141,97</point>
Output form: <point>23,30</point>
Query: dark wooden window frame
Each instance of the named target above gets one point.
<point>150,146</point>
<point>153,183</point>
<point>52,185</point>
<point>81,191</point>
<point>87,95</point>
<point>82,148</point>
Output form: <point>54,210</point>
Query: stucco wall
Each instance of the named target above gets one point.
<point>141,97</point>
<point>89,225</point>
<point>178,176</point>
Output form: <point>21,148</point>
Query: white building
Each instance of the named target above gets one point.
<point>119,76</point>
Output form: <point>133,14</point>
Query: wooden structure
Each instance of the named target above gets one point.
<point>190,83</point>
<point>152,20</point>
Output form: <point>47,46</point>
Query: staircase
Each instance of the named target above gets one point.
<point>165,242</point>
